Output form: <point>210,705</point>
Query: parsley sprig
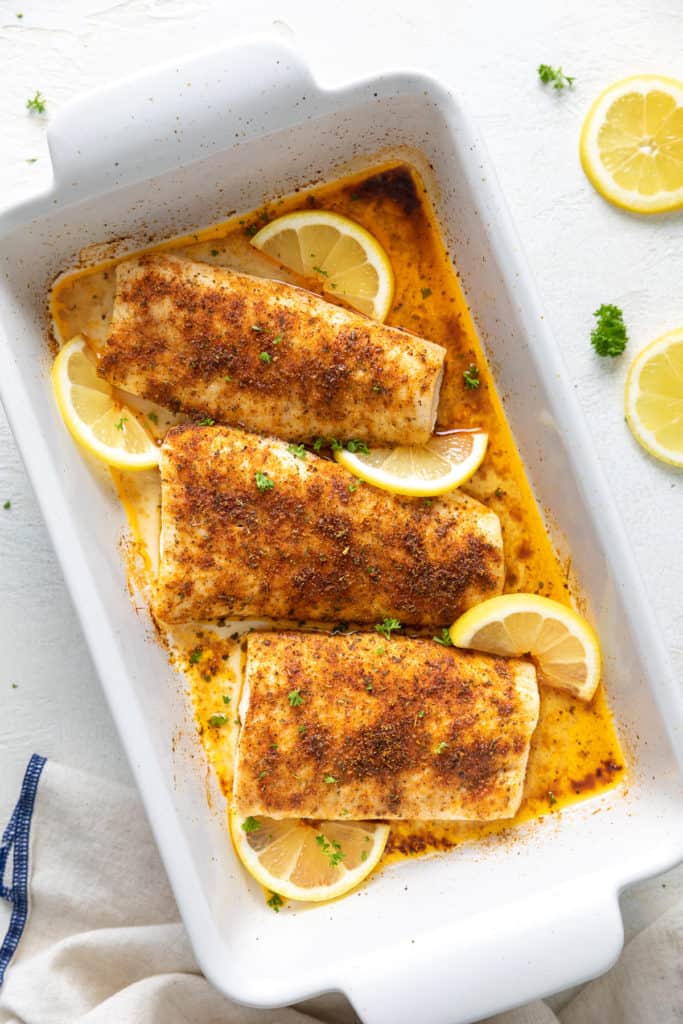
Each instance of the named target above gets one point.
<point>609,336</point>
<point>263,481</point>
<point>555,77</point>
<point>387,627</point>
<point>36,105</point>
<point>444,639</point>
<point>470,377</point>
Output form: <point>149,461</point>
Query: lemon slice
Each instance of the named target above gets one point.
<point>654,398</point>
<point>419,470</point>
<point>307,861</point>
<point>632,144</point>
<point>102,425</point>
<point>344,257</point>
<point>564,647</point>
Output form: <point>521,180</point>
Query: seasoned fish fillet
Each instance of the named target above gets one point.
<point>357,727</point>
<point>266,356</point>
<point>250,529</point>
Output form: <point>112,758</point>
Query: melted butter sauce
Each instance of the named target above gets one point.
<point>575,752</point>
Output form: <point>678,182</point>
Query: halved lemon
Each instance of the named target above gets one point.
<point>632,144</point>
<point>102,425</point>
<point>654,397</point>
<point>563,646</point>
<point>439,466</point>
<point>307,861</point>
<point>345,258</point>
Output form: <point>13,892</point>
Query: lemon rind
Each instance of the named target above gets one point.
<point>463,629</point>
<point>625,199</point>
<point>384,481</point>
<point>318,894</point>
<point>645,438</point>
<point>385,296</point>
<point>83,437</point>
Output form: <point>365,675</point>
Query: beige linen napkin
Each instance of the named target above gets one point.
<point>103,943</point>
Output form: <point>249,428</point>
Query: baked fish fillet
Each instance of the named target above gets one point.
<point>357,727</point>
<point>266,355</point>
<point>248,528</point>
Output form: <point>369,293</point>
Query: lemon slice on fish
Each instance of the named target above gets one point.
<point>342,256</point>
<point>97,421</point>
<point>302,860</point>
<point>563,646</point>
<point>632,144</point>
<point>654,398</point>
<point>441,465</point>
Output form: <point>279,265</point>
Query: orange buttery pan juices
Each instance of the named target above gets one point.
<point>575,752</point>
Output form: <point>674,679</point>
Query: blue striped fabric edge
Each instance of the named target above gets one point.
<point>16,840</point>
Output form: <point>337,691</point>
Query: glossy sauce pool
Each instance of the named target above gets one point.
<point>575,752</point>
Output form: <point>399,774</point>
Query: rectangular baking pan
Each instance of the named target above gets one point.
<point>440,940</point>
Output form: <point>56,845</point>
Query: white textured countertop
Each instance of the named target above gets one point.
<point>582,252</point>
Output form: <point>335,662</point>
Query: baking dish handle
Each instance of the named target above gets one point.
<point>548,950</point>
<point>114,136</point>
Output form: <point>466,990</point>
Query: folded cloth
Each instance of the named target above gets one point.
<point>104,944</point>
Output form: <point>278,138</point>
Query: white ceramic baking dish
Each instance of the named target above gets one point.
<point>441,940</point>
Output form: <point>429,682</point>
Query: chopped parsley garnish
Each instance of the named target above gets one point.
<point>357,446</point>
<point>556,76</point>
<point>329,779</point>
<point>426,292</point>
<point>380,649</point>
<point>263,481</point>
<point>552,799</point>
<point>444,639</point>
<point>302,730</point>
<point>277,339</point>
<point>377,387</point>
<point>499,492</point>
<point>257,327</point>
<point>297,450</point>
<point>275,902</point>
<point>295,699</point>
<point>153,417</point>
<point>327,442</point>
<point>331,850</point>
<point>319,270</point>
<point>251,230</point>
<point>7,504</point>
<point>214,252</point>
<point>364,855</point>
<point>37,103</point>
<point>195,656</point>
<point>119,425</point>
<point>471,377</point>
<point>266,357</point>
<point>441,747</point>
<point>262,774</point>
<point>229,379</point>
<point>355,485</point>
<point>216,721</point>
<point>369,687</point>
<point>226,699</point>
<point>387,627</point>
<point>32,160</point>
<point>609,336</point>
<point>206,422</point>
<point>250,824</point>
<point>420,714</point>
